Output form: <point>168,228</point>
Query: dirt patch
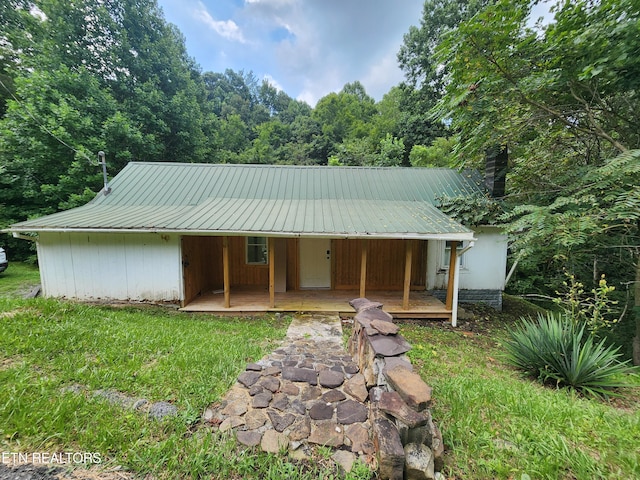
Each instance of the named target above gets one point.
<point>10,362</point>
<point>18,311</point>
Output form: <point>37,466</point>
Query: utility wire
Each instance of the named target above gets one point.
<point>26,109</point>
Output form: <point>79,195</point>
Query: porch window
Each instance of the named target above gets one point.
<point>447,254</point>
<point>257,251</point>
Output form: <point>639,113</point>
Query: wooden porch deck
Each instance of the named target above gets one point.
<point>254,301</point>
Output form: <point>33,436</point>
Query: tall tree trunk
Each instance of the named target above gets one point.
<point>636,339</point>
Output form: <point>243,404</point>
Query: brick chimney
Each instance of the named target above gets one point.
<point>495,171</point>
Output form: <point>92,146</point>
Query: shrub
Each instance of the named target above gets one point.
<point>556,350</point>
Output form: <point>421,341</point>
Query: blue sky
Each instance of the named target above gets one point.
<point>308,48</point>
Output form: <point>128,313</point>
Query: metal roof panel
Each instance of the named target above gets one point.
<point>269,199</point>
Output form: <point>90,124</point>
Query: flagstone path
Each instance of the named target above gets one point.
<point>306,393</point>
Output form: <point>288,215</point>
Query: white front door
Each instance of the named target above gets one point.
<point>315,263</point>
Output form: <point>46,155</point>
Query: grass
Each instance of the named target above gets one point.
<point>499,425</point>
<point>496,423</point>
<point>147,352</point>
<point>18,279</point>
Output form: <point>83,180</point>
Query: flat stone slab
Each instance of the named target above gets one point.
<point>360,304</point>
<point>330,378</point>
<point>344,459</point>
<point>321,411</point>
<point>359,436</point>
<point>351,411</point>
<point>262,400</point>
<point>248,378</point>
<point>311,393</point>
<point>393,404</point>
<point>280,421</point>
<point>275,370</point>
<point>365,317</point>
<point>269,383</point>
<point>389,346</point>
<point>384,327</point>
<point>250,438</point>
<point>356,387</point>
<point>159,410</point>
<point>300,429</point>
<point>329,434</point>
<point>255,419</point>
<point>231,422</point>
<point>235,408</point>
<point>333,396</point>
<point>296,374</point>
<point>274,442</point>
<point>280,401</point>
<point>413,390</point>
<point>254,367</point>
<point>391,362</point>
<point>289,388</point>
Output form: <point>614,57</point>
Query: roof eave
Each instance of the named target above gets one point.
<point>458,236</point>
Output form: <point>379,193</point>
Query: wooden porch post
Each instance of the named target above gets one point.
<point>364,244</point>
<point>225,272</point>
<point>408,254</point>
<point>452,273</point>
<point>272,273</point>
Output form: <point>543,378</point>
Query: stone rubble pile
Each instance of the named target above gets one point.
<point>304,394</point>
<point>408,443</point>
<point>367,405</point>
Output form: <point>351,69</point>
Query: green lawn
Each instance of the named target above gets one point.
<point>147,352</point>
<point>498,425</point>
<point>18,279</point>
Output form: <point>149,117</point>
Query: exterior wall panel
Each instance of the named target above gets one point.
<point>110,266</point>
<point>483,267</point>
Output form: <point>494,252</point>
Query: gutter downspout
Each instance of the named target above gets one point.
<point>22,236</point>
<point>456,281</point>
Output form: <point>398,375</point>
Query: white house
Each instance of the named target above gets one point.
<point>230,238</point>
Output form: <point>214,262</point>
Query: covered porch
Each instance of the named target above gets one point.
<point>265,271</point>
<point>248,300</point>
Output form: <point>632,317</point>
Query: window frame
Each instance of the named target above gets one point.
<point>264,242</point>
<point>446,254</point>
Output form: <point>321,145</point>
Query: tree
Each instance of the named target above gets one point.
<point>391,152</point>
<point>439,154</point>
<point>19,30</point>
<point>425,75</point>
<point>345,115</point>
<point>563,98</point>
<point>89,76</point>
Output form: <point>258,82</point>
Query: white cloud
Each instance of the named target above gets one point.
<point>383,73</point>
<point>225,28</point>
<point>272,81</point>
<point>312,47</point>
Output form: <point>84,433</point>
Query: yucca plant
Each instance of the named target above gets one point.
<point>554,349</point>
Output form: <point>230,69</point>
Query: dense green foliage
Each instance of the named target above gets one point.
<point>498,425</point>
<point>557,351</point>
<point>563,97</point>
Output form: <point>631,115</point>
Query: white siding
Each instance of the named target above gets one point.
<point>484,266</point>
<point>112,266</point>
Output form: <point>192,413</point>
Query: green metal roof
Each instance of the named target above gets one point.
<point>354,202</point>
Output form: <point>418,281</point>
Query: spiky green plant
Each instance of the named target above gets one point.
<point>555,350</point>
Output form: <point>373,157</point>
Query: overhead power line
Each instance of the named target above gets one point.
<point>44,128</point>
